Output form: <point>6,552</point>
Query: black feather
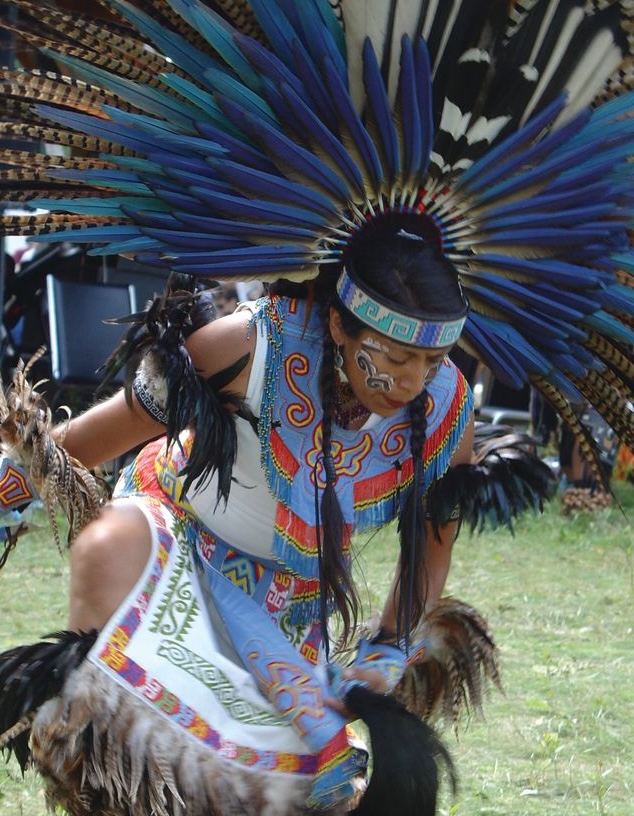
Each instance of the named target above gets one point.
<point>32,674</point>
<point>506,479</point>
<point>406,753</point>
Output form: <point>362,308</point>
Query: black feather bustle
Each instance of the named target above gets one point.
<point>406,755</point>
<point>161,330</point>
<point>32,674</point>
<point>506,479</point>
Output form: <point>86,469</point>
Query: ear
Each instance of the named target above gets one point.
<point>336,329</point>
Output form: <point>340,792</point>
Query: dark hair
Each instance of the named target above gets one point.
<point>413,274</point>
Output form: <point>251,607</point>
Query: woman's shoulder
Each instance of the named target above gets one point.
<point>220,344</point>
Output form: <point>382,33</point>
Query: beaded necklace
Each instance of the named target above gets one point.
<point>346,408</point>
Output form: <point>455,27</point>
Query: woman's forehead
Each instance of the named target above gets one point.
<point>378,342</point>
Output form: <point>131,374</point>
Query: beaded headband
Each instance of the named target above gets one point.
<point>385,317</point>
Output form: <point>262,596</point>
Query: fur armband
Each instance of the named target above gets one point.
<point>150,389</point>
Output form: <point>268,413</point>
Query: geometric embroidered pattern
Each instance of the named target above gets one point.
<point>241,572</point>
<point>217,682</point>
<point>14,487</point>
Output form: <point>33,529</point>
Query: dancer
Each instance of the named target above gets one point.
<point>341,148</point>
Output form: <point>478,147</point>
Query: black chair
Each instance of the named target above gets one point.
<point>79,338</point>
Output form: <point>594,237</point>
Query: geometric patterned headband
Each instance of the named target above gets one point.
<point>385,317</point>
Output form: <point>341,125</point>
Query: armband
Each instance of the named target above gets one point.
<point>150,389</point>
<point>383,657</point>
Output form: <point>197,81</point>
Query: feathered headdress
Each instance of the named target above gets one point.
<point>254,138</point>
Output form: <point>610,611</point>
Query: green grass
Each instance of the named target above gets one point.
<point>559,596</point>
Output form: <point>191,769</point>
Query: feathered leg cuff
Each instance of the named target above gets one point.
<point>452,661</point>
<point>36,465</point>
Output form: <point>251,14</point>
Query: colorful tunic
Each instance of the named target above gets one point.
<point>172,644</point>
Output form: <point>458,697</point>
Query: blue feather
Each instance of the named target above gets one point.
<point>566,274</point>
<point>317,91</point>
<point>88,235</point>
<point>480,171</point>
<point>120,180</point>
<point>305,80</point>
<point>411,132</point>
<point>534,175</point>
<point>237,149</point>
<point>315,132</point>
<point>146,98</point>
<point>544,201</point>
<point>158,129</point>
<point>275,24</point>
<point>232,206</point>
<point>102,128</point>
<point>316,16</point>
<point>143,167</point>
<point>173,163</point>
<point>618,298</point>
<point>220,35</point>
<point>569,365</point>
<point>276,187</point>
<point>624,260</point>
<point>544,236</point>
<point>266,232</point>
<point>286,153</point>
<point>322,47</point>
<point>609,325</point>
<point>591,169</point>
<point>232,88</point>
<point>110,207</point>
<point>534,324</point>
<point>584,301</point>
<point>170,44</point>
<point>198,98</point>
<point>131,247</point>
<point>498,356</point>
<point>268,64</point>
<point>363,144</point>
<point>379,104</point>
<point>559,217</point>
<point>194,241</point>
<point>531,297</point>
<point>226,254</point>
<point>177,201</point>
<point>184,178</point>
<point>424,87</point>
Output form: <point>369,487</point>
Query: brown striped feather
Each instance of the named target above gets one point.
<point>587,446</point>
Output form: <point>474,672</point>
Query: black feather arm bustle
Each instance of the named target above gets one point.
<point>406,758</point>
<point>505,480</point>
<point>29,676</point>
<point>191,401</point>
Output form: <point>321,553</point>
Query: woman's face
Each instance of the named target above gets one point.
<point>384,375</point>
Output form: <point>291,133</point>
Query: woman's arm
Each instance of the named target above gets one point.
<point>113,427</point>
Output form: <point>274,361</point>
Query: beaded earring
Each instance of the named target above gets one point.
<point>338,357</point>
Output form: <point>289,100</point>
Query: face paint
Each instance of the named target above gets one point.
<point>373,344</point>
<point>373,378</point>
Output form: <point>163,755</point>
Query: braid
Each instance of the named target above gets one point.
<point>337,584</point>
<point>411,527</point>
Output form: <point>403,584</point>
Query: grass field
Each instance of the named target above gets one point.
<point>559,596</point>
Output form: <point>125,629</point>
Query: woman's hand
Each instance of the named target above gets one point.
<point>370,678</point>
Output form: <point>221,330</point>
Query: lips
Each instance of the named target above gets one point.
<point>394,404</point>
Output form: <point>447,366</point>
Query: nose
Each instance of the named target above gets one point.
<point>413,381</point>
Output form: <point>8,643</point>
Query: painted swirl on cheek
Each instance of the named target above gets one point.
<point>373,378</point>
